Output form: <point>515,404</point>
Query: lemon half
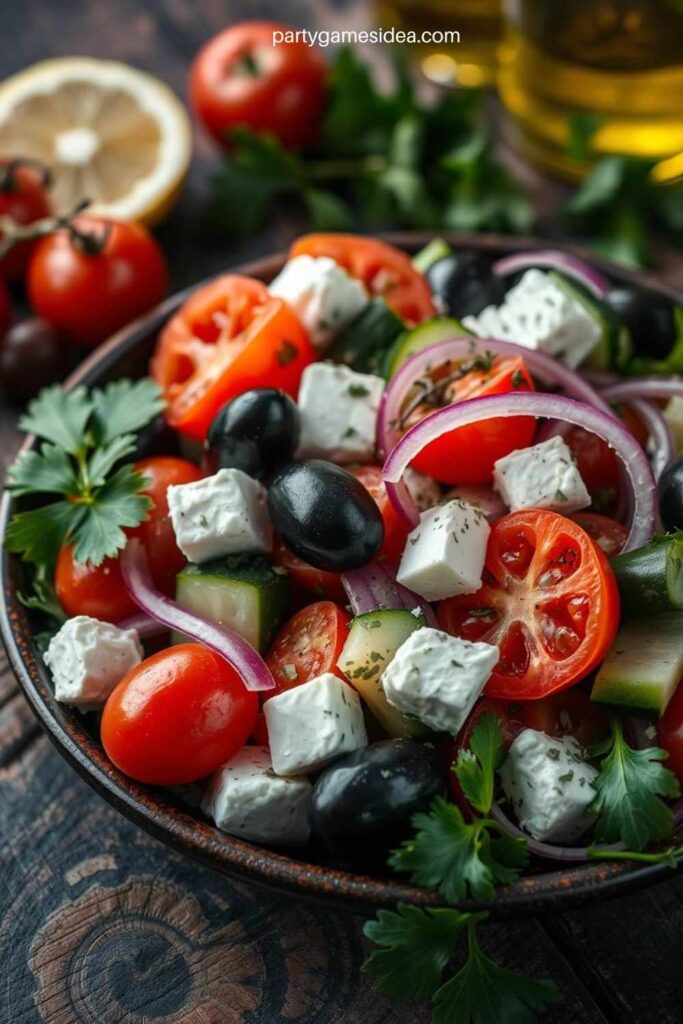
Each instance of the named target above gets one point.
<point>108,132</point>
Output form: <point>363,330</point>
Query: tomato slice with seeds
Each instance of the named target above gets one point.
<point>549,601</point>
<point>308,645</point>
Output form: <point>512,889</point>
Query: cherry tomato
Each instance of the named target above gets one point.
<point>607,533</point>
<point>385,271</point>
<point>23,198</point>
<point>308,645</point>
<point>177,716</point>
<point>85,589</point>
<point>229,337</point>
<point>466,455</point>
<point>305,579</point>
<point>671,733</point>
<point>598,465</point>
<point>241,78</point>
<point>549,601</point>
<point>5,310</point>
<point>395,530</point>
<point>88,296</point>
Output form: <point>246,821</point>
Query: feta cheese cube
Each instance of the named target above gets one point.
<point>550,786</point>
<point>325,297</point>
<point>223,514</point>
<point>437,678</point>
<point>444,555</point>
<point>338,409</point>
<point>88,658</point>
<point>312,724</point>
<point>247,799</point>
<point>540,313</point>
<point>543,476</point>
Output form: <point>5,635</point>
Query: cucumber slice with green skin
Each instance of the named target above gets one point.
<point>372,642</point>
<point>650,579</point>
<point>435,250</point>
<point>363,344</point>
<point>644,666</point>
<point>431,332</point>
<point>244,592</point>
<point>614,347</point>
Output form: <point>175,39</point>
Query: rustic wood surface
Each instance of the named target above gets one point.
<point>99,924</point>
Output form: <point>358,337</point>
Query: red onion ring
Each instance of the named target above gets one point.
<point>549,370</point>
<point>548,850</point>
<point>554,259</point>
<point>374,586</point>
<point>661,439</point>
<point>144,625</point>
<point>643,387</point>
<point>247,662</point>
<point>638,473</point>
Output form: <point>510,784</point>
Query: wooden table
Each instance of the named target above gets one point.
<point>100,924</point>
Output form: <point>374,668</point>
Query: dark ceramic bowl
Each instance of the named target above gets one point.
<point>169,816</point>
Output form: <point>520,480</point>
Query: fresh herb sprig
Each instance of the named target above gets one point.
<point>85,436</point>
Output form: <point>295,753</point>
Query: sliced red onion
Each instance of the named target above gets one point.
<point>144,625</point>
<point>550,371</point>
<point>662,446</point>
<point>638,473</point>
<point>643,387</point>
<point>548,850</point>
<point>375,586</point>
<point>554,259</point>
<point>247,662</point>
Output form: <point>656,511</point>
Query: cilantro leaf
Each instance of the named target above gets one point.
<point>38,534</point>
<point>629,788</point>
<point>476,767</point>
<point>125,406</point>
<point>48,470</point>
<point>99,533</point>
<point>59,416</point>
<point>417,946</point>
<point>482,992</point>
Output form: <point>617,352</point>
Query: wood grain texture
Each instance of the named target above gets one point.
<point>99,924</point>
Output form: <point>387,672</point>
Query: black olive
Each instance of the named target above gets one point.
<point>257,432</point>
<point>157,438</point>
<point>32,355</point>
<point>464,284</point>
<point>670,490</point>
<point>649,319</point>
<point>362,805</point>
<point>325,516</point>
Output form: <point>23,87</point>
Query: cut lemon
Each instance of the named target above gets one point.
<point>108,133</point>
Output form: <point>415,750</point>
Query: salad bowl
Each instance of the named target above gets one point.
<point>171,815</point>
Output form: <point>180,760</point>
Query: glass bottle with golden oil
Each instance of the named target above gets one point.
<point>621,61</point>
<point>473,60</point>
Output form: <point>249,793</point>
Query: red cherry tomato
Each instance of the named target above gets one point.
<point>86,296</point>
<point>308,645</point>
<point>306,580</point>
<point>671,733</point>
<point>177,716</point>
<point>385,271</point>
<point>229,336</point>
<point>549,601</point>
<point>5,310</point>
<point>241,78</point>
<point>607,533</point>
<point>395,530</point>
<point>598,465</point>
<point>85,589</point>
<point>24,199</point>
<point>466,455</point>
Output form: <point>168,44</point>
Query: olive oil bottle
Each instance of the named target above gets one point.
<point>617,62</point>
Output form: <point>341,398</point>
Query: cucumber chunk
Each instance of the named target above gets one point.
<point>244,592</point>
<point>435,250</point>
<point>439,328</point>
<point>644,666</point>
<point>364,342</point>
<point>650,579</point>
<point>372,642</point>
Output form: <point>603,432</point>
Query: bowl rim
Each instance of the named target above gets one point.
<point>154,811</point>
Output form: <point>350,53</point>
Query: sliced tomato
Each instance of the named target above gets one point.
<point>229,337</point>
<point>549,602</point>
<point>466,455</point>
<point>386,271</point>
<point>395,530</point>
<point>306,580</point>
<point>608,534</point>
<point>598,465</point>
<point>308,645</point>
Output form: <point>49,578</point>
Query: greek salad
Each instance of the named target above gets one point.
<point>386,544</point>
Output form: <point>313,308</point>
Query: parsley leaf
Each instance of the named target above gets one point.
<point>476,767</point>
<point>59,416</point>
<point>48,470</point>
<point>43,598</point>
<point>117,504</point>
<point>124,406</point>
<point>37,535</point>
<point>629,788</point>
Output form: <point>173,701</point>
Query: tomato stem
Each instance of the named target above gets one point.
<point>91,243</point>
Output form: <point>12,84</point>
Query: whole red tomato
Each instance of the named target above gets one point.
<point>241,78</point>
<point>24,199</point>
<point>91,284</point>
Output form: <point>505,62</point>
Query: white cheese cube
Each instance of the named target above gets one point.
<point>325,297</point>
<point>89,658</point>
<point>223,514</point>
<point>437,678</point>
<point>247,799</point>
<point>312,724</point>
<point>543,476</point>
<point>338,409</point>
<point>539,313</point>
<point>550,786</point>
<point>444,555</point>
